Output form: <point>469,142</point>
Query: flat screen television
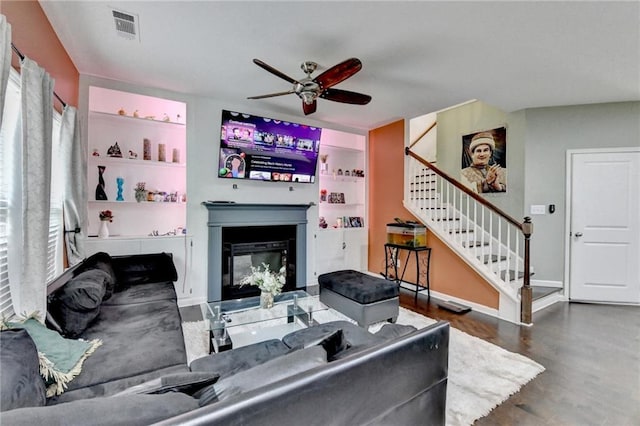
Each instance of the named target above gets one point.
<point>260,148</point>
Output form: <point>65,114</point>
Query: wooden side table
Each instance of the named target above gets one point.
<point>391,253</point>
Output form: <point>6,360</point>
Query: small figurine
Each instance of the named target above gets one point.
<point>114,151</point>
<point>121,111</point>
<point>133,155</point>
<point>135,114</point>
<point>323,222</point>
<point>166,118</point>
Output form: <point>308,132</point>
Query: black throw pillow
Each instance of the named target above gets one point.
<point>20,382</point>
<point>77,304</point>
<point>333,343</point>
<point>101,260</point>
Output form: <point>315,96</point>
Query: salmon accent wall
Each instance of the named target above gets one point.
<point>34,36</point>
<point>449,274</point>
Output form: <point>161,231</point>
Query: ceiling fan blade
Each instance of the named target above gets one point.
<point>338,73</point>
<point>274,71</point>
<point>271,95</point>
<point>345,96</point>
<point>309,108</point>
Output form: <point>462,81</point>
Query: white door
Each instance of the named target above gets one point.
<point>605,226</point>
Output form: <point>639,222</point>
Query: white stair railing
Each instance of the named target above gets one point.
<point>492,242</point>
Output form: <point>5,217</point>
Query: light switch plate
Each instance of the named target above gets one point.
<point>538,209</point>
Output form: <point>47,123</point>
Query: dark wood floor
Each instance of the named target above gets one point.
<point>591,354</point>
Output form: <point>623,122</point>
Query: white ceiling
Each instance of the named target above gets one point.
<point>418,57</point>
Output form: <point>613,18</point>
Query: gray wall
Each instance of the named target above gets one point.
<point>550,132</point>
<point>537,142</point>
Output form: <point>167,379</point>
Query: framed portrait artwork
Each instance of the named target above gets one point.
<point>484,161</point>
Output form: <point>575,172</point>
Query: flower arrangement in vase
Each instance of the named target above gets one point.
<point>105,216</point>
<point>269,282</point>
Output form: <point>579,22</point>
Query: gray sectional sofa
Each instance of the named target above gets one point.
<point>334,373</point>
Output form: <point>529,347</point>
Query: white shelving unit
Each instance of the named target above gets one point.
<point>340,246</point>
<point>110,121</point>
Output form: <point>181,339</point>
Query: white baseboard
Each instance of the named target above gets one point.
<point>547,283</point>
<point>446,298</point>
<point>191,301</point>
<point>547,301</point>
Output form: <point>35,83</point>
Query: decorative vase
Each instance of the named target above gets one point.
<point>101,195</point>
<point>266,300</point>
<point>103,232</point>
<point>119,183</point>
<point>141,196</point>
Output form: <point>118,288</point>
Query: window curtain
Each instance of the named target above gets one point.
<point>5,60</point>
<point>6,302</point>
<point>74,178</point>
<point>37,122</point>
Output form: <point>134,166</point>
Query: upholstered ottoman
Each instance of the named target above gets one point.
<point>363,298</point>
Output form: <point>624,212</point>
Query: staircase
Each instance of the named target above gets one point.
<point>490,241</point>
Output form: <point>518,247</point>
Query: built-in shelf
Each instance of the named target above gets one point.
<point>141,203</point>
<point>338,178</point>
<point>135,237</point>
<point>323,204</point>
<point>97,160</point>
<point>138,119</point>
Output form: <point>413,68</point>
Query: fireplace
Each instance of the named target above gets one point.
<point>244,235</point>
<point>255,246</point>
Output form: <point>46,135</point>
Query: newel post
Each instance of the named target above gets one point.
<point>526,294</point>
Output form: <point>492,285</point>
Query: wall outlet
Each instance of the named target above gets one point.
<point>538,209</point>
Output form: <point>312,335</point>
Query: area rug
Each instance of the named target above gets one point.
<point>481,375</point>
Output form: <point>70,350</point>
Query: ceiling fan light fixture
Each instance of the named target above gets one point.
<point>308,97</point>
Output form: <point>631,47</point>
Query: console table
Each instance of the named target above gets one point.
<point>391,253</point>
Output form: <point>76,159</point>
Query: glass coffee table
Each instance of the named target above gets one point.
<point>241,322</point>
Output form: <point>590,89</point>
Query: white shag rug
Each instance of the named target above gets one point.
<point>481,374</point>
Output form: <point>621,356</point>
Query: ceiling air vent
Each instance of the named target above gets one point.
<point>126,25</point>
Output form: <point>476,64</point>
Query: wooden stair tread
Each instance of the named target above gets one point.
<point>471,244</point>
<point>491,257</point>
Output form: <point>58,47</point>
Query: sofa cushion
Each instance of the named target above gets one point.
<point>77,304</point>
<point>61,360</point>
<point>136,339</point>
<point>102,261</point>
<point>354,335</point>
<point>240,359</point>
<point>130,410</point>
<point>20,381</point>
<point>188,383</point>
<point>144,268</point>
<point>264,374</point>
<point>143,293</point>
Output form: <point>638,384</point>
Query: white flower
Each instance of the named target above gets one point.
<point>265,279</point>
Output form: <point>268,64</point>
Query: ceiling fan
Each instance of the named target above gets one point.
<point>310,89</point>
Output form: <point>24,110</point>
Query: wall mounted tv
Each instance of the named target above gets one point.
<point>259,148</point>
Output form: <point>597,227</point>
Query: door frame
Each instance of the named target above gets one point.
<point>568,213</point>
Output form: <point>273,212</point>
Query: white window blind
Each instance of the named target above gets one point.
<point>56,225</point>
<point>7,170</point>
